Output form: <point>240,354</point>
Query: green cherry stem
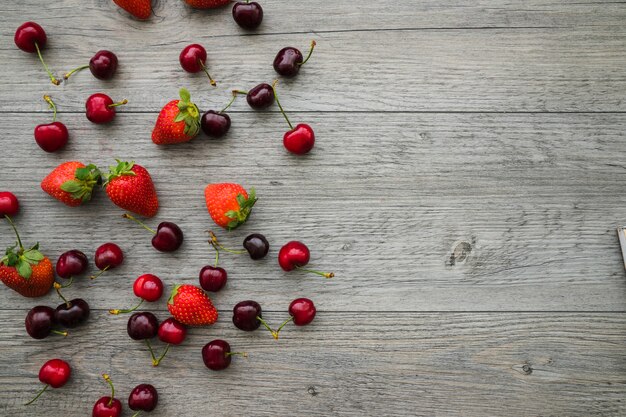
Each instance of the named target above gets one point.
<point>156,362</point>
<point>140,223</point>
<point>244,354</point>
<point>279,105</point>
<point>232,100</point>
<point>69,283</point>
<point>119,103</point>
<point>130,310</point>
<point>100,273</point>
<point>69,74</point>
<point>58,287</point>
<point>218,246</point>
<point>313,43</point>
<point>211,80</point>
<point>240,92</point>
<point>52,106</point>
<point>61,333</point>
<point>52,79</point>
<point>40,392</point>
<point>136,414</point>
<point>312,271</point>
<point>19,241</point>
<point>282,325</point>
<point>108,380</point>
<point>267,326</point>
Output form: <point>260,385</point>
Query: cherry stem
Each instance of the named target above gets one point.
<point>136,414</point>
<point>155,362</point>
<point>239,92</point>
<point>313,43</point>
<point>279,105</point>
<point>217,256</point>
<point>39,393</point>
<point>213,83</point>
<point>128,216</point>
<point>108,380</point>
<point>267,326</point>
<point>69,283</point>
<point>58,287</point>
<point>64,333</point>
<point>52,79</point>
<point>19,241</point>
<point>244,354</point>
<point>69,74</point>
<point>119,103</point>
<point>217,245</point>
<point>232,100</point>
<point>158,361</point>
<point>100,273</point>
<point>52,106</point>
<point>290,319</point>
<point>130,310</point>
<point>312,271</point>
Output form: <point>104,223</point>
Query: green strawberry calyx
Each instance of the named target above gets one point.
<point>22,258</point>
<point>123,168</point>
<point>240,216</point>
<point>81,187</point>
<point>188,112</point>
<point>174,293</point>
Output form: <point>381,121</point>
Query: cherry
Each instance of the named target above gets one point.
<point>289,60</point>
<point>248,15</point>
<point>71,263</point>
<point>213,278</point>
<point>193,59</point>
<point>296,254</point>
<point>102,65</point>
<point>101,108</point>
<point>148,287</point>
<point>257,246</point>
<point>107,406</point>
<point>72,313</point>
<point>143,397</point>
<point>167,238</point>
<point>51,136</point>
<point>142,326</point>
<point>302,312</point>
<point>259,97</point>
<point>31,38</point>
<point>298,140</point>
<point>172,331</point>
<point>216,355</point>
<point>108,256</point>
<point>39,322</point>
<point>55,373</point>
<point>9,204</point>
<point>247,316</point>
<point>216,124</point>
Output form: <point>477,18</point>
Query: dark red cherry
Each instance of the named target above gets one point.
<point>217,355</point>
<point>213,278</point>
<point>288,61</point>
<point>71,263</point>
<point>30,35</point>
<point>215,124</point>
<point>257,246</point>
<point>40,321</point>
<point>246,315</point>
<point>172,331</point>
<point>261,96</point>
<point>101,108</point>
<point>51,136</point>
<point>248,15</point>
<point>108,256</point>
<point>168,237</point>
<point>142,326</point>
<point>143,397</point>
<point>103,65</point>
<point>148,287</point>
<point>73,315</point>
<point>299,140</point>
<point>9,204</point>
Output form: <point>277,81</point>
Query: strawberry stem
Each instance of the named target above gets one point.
<point>130,310</point>
<point>100,273</point>
<point>52,106</point>
<point>19,241</point>
<point>312,271</point>
<point>313,43</point>
<point>40,392</point>
<point>213,83</point>
<point>281,326</point>
<point>108,380</point>
<point>52,79</point>
<point>69,74</point>
<point>119,103</point>
<point>279,105</point>
<point>158,361</point>
<point>128,216</point>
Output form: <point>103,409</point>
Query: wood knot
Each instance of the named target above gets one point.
<point>312,391</point>
<point>460,253</point>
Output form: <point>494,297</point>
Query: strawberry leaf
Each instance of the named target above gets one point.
<point>180,117</point>
<point>185,97</point>
<point>23,268</point>
<point>122,168</point>
<point>71,186</point>
<point>33,255</point>
<point>240,216</point>
<point>173,294</point>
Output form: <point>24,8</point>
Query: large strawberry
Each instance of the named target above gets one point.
<point>26,271</point>
<point>141,9</point>
<point>130,187</point>
<point>207,4</point>
<point>191,306</point>
<point>71,182</point>
<point>229,204</point>
<point>179,121</point>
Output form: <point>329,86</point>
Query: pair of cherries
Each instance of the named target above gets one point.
<point>41,320</point>
<point>247,315</point>
<point>145,326</point>
<point>144,397</point>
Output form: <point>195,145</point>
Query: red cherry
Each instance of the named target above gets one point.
<point>71,263</point>
<point>101,108</point>
<point>193,59</point>
<point>172,331</point>
<point>51,136</point>
<point>108,256</point>
<point>302,310</point>
<point>299,140</point>
<point>107,406</point>
<point>296,254</point>
<point>148,287</point>
<point>143,397</point>
<point>167,237</point>
<point>55,373</point>
<point>216,355</point>
<point>9,204</point>
<point>213,278</point>
<point>31,38</point>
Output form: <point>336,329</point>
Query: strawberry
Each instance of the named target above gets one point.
<point>207,4</point>
<point>191,306</point>
<point>141,9</point>
<point>129,186</point>
<point>71,182</point>
<point>26,271</point>
<point>179,121</point>
<point>229,204</point>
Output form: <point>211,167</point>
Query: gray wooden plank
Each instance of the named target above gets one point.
<point>387,201</point>
<point>344,364</point>
<point>574,67</point>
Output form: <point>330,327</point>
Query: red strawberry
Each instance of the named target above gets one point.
<point>71,182</point>
<point>179,121</point>
<point>141,9</point>
<point>229,204</point>
<point>207,4</point>
<point>129,186</point>
<point>191,306</point>
<point>26,271</point>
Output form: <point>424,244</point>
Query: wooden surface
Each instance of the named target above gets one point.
<point>465,187</point>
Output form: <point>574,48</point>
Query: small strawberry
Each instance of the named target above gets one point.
<point>229,204</point>
<point>141,9</point>
<point>179,121</point>
<point>191,306</point>
<point>27,271</point>
<point>129,186</point>
<point>71,182</point>
<point>207,4</point>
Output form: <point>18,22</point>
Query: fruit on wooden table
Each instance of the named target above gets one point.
<point>248,15</point>
<point>54,373</point>
<point>167,237</point>
<point>9,204</point>
<point>102,65</point>
<point>259,97</point>
<point>143,397</point>
<point>72,182</point>
<point>107,256</point>
<point>178,121</point>
<point>298,140</point>
<point>302,312</point>
<point>30,37</point>
<point>207,4</point>
<point>130,187</point>
<point>217,355</point>
<point>54,135</point>
<point>191,306</point>
<point>216,124</point>
<point>147,287</point>
<point>193,59</point>
<point>295,255</point>
<point>108,406</point>
<point>40,322</point>
<point>141,9</point>
<point>72,314</point>
<point>229,204</point>
<point>100,108</point>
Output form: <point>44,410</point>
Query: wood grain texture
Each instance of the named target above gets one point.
<point>349,364</point>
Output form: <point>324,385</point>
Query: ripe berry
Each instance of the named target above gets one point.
<point>248,15</point>
<point>216,355</point>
